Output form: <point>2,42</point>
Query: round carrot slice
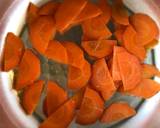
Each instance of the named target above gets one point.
<point>29,70</point>
<point>57,52</point>
<point>91,108</point>
<point>41,31</point>
<point>13,51</point>
<point>116,112</point>
<point>146,28</point>
<point>78,78</point>
<point>99,48</point>
<point>31,96</point>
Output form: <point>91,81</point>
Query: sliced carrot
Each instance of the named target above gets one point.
<point>41,31</point>
<point>130,69</point>
<point>102,80</point>
<point>62,117</point>
<point>145,89</point>
<point>120,13</point>
<point>29,70</point>
<point>57,52</point>
<point>91,108</point>
<point>32,12</point>
<point>151,44</point>
<point>13,51</point>
<point>99,48</point>
<point>49,8</point>
<point>116,112</point>
<point>95,29</point>
<point>130,43</point>
<point>149,71</point>
<point>75,55</point>
<point>89,11</point>
<point>119,35</point>
<point>67,12</point>
<point>78,78</point>
<point>56,96</point>
<point>146,28</point>
<point>31,96</point>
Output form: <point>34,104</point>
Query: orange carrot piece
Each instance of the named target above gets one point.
<point>91,108</point>
<point>31,96</point>
<point>75,55</point>
<point>29,70</point>
<point>32,13</point>
<point>99,48</point>
<point>101,79</point>
<point>56,96</point>
<point>116,112</point>
<point>41,31</point>
<point>146,28</point>
<point>149,71</point>
<point>62,117</point>
<point>13,51</point>
<point>145,89</point>
<point>57,52</point>
<point>78,78</point>
<point>151,44</point>
<point>49,8</point>
<point>130,43</point>
<point>67,12</point>
<point>119,35</point>
<point>89,11</point>
<point>130,69</point>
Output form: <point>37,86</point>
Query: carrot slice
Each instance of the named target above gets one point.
<point>41,31</point>
<point>57,52</point>
<point>89,11</point>
<point>99,48</point>
<point>67,12</point>
<point>151,44</point>
<point>130,69</point>
<point>78,78</point>
<point>75,55</point>
<point>120,13</point>
<point>31,96</point>
<point>101,79</point>
<point>145,89</point>
<point>119,35</point>
<point>49,8</point>
<point>32,12</point>
<point>91,108</point>
<point>13,51</point>
<point>130,43</point>
<point>56,96</point>
<point>62,117</point>
<point>146,28</point>
<point>95,29</point>
<point>149,71</point>
<point>116,112</point>
<point>29,70</point>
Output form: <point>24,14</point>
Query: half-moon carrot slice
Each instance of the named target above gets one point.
<point>57,52</point>
<point>91,108</point>
<point>75,55</point>
<point>130,69</point>
<point>41,31</point>
<point>29,70</point>
<point>149,71</point>
<point>13,51</point>
<point>116,112</point>
<point>56,96</point>
<point>62,117</point>
<point>78,78</point>
<point>146,28</point>
<point>145,89</point>
<point>67,12</point>
<point>31,96</point>
<point>49,8</point>
<point>130,43</point>
<point>99,48</point>
<point>151,44</point>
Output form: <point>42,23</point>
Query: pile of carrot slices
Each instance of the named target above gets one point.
<point>117,56</point>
